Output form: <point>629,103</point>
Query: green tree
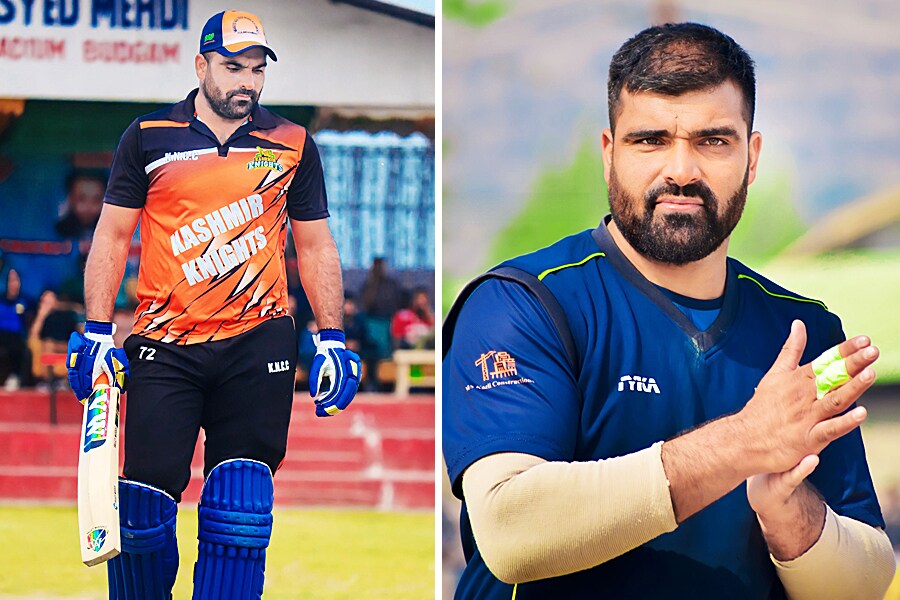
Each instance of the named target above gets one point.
<point>476,14</point>
<point>564,201</point>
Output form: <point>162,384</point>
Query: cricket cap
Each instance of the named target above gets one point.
<point>231,32</point>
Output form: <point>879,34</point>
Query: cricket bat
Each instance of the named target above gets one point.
<point>98,476</point>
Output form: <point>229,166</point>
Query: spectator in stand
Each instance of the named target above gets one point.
<point>359,341</point>
<point>49,333</point>
<point>357,338</point>
<point>13,349</point>
<point>413,326</point>
<point>84,201</point>
<point>382,296</point>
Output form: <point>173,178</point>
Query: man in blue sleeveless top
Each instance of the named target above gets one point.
<point>661,426</point>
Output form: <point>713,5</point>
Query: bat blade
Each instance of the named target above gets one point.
<point>98,477</point>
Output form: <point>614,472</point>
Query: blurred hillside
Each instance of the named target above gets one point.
<point>522,92</point>
<point>524,102</point>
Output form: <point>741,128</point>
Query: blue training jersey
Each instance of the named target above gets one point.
<point>646,373</point>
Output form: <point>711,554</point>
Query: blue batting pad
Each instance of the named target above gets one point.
<point>146,568</point>
<point>235,523</point>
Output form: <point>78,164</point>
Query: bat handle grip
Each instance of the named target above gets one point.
<point>102,381</point>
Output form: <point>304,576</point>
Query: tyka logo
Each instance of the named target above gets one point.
<point>636,383</point>
<point>279,366</point>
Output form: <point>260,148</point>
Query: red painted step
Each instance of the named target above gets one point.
<point>378,410</point>
<point>31,406</point>
<point>308,489</point>
<point>379,454</point>
<point>39,445</point>
<point>408,453</point>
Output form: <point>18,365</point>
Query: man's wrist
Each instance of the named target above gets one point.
<point>792,528</point>
<point>98,327</point>
<point>703,465</point>
<point>752,453</point>
<point>331,335</point>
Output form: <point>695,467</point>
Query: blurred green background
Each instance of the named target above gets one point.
<point>858,283</point>
<point>524,103</point>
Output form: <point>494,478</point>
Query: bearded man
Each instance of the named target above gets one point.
<point>622,416</point>
<point>213,181</point>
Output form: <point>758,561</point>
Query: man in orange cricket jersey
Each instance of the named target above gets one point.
<point>212,180</point>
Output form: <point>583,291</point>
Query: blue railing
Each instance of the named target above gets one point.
<point>381,197</point>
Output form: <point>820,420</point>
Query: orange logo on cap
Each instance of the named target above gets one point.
<point>247,25</point>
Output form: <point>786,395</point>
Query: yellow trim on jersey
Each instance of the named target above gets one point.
<point>796,299</point>
<point>149,124</point>
<point>515,589</point>
<point>578,264</point>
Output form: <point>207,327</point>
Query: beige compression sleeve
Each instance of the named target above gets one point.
<point>534,519</point>
<point>850,560</point>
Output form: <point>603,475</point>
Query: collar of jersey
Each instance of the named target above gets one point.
<point>704,340</point>
<point>184,112</point>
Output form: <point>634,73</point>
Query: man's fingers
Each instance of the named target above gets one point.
<point>853,345</point>
<point>857,353</point>
<point>790,354</point>
<point>837,401</point>
<point>827,431</point>
<point>861,359</point>
<point>804,469</point>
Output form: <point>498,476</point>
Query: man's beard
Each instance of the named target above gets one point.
<point>225,105</point>
<point>675,238</point>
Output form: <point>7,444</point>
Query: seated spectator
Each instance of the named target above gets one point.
<point>355,327</point>
<point>413,326</point>
<point>13,349</point>
<point>49,332</point>
<point>356,331</point>
<point>381,298</point>
<point>84,201</point>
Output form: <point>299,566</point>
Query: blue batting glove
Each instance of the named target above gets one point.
<point>92,354</point>
<point>333,362</point>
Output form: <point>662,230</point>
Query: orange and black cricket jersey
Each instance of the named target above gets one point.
<point>214,218</point>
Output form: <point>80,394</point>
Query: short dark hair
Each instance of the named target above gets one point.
<point>98,175</point>
<point>676,58</point>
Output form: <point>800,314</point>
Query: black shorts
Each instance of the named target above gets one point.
<point>239,390</point>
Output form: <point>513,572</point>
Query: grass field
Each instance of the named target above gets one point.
<point>317,554</point>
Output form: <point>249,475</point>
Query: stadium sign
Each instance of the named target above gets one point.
<point>143,50</point>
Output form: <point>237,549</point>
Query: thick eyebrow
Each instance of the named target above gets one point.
<point>645,133</point>
<point>729,132</point>
<point>234,63</point>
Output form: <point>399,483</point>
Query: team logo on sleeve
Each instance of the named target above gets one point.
<point>504,365</point>
<point>497,368</point>
<point>265,159</point>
